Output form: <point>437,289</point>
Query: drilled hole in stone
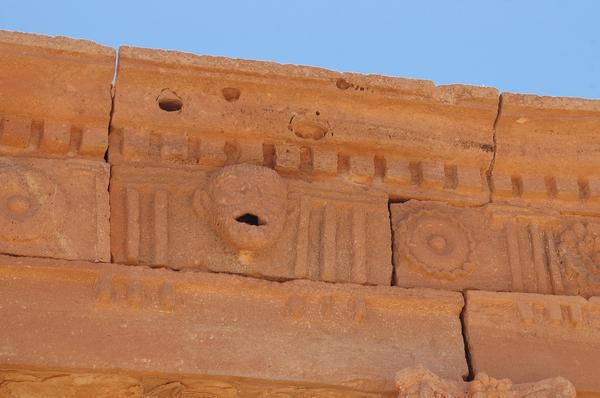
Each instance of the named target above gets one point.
<point>250,219</point>
<point>168,101</point>
<point>231,94</point>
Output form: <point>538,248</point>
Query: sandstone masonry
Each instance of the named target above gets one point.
<point>205,226</point>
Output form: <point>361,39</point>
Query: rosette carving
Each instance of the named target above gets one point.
<point>32,205</point>
<point>435,243</point>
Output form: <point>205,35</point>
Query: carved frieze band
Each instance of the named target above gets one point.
<point>495,248</point>
<point>247,219</point>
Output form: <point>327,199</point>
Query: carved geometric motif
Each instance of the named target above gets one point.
<point>54,208</point>
<point>437,244</point>
<point>32,204</point>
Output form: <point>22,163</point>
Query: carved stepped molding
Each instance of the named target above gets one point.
<point>513,334</point>
<point>547,153</point>
<point>111,317</point>
<point>407,138</point>
<point>56,96</point>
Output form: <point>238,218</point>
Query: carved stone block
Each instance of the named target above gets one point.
<point>418,382</point>
<point>499,248</point>
<point>54,208</point>
<point>157,321</point>
<point>441,246</point>
<point>547,153</point>
<point>528,337</point>
<point>305,122</point>
<point>247,219</point>
<point>56,96</point>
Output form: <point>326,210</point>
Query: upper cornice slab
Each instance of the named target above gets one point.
<point>409,138</point>
<point>56,96</point>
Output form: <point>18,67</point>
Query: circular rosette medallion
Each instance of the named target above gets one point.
<point>436,244</point>
<point>31,204</point>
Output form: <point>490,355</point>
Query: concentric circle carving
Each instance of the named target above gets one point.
<point>32,205</point>
<point>436,244</point>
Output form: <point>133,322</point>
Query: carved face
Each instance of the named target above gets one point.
<point>248,205</point>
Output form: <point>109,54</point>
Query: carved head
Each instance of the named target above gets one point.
<point>247,205</point>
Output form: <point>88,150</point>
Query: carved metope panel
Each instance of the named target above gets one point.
<point>496,248</point>
<point>211,324</point>
<point>393,135</point>
<point>54,208</point>
<point>419,382</point>
<point>529,337</point>
<point>247,219</point>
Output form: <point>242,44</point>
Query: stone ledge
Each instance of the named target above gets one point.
<point>105,317</point>
<point>405,137</point>
<point>528,337</point>
<point>547,153</point>
<point>56,96</point>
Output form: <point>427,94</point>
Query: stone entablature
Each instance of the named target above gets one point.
<point>353,210</point>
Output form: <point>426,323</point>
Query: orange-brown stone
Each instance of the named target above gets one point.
<point>110,317</point>
<point>247,219</point>
<point>56,97</point>
<point>54,208</point>
<point>528,337</point>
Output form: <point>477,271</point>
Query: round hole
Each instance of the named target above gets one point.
<point>231,94</point>
<point>168,101</point>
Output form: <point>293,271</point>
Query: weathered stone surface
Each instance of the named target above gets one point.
<point>547,153</point>
<point>418,382</point>
<point>56,96</point>
<point>247,219</point>
<point>22,383</point>
<point>498,248</point>
<point>407,138</point>
<point>107,317</point>
<point>441,246</point>
<point>54,208</point>
<point>529,337</point>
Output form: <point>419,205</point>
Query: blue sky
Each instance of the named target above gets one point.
<point>532,46</point>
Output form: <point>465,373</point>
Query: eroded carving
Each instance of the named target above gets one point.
<point>32,205</point>
<point>437,244</point>
<point>246,205</point>
<point>54,208</point>
<point>247,219</point>
<point>419,382</point>
<point>579,253</point>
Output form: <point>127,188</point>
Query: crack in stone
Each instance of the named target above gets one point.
<point>471,375</point>
<point>489,172</point>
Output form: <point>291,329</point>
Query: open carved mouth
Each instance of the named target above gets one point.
<point>251,219</point>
